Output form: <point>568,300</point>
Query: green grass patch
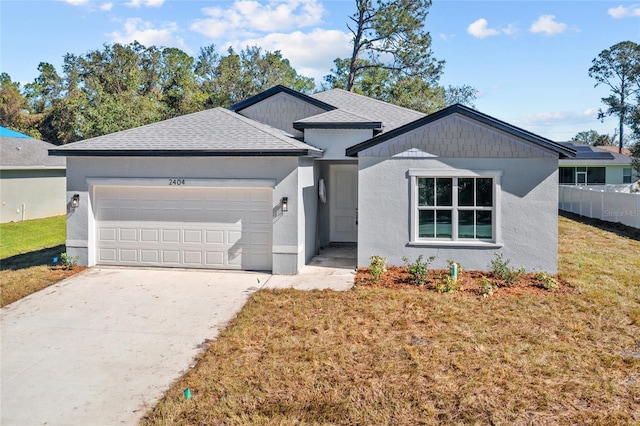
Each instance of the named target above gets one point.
<point>388,356</point>
<point>32,235</point>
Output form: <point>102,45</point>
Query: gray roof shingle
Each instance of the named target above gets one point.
<point>214,132</point>
<point>27,153</point>
<point>337,118</point>
<point>392,116</point>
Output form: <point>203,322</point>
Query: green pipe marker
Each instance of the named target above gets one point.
<point>187,393</point>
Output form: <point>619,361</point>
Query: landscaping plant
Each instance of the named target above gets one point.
<point>418,270</point>
<point>548,282</point>
<point>377,267</point>
<point>501,269</point>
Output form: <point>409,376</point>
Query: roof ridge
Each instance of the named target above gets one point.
<point>369,99</point>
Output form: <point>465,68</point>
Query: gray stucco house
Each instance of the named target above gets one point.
<point>263,184</point>
<point>32,184</point>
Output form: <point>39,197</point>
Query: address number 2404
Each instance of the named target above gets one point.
<point>176,182</point>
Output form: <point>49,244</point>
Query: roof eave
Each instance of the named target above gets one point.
<point>374,125</point>
<point>301,152</point>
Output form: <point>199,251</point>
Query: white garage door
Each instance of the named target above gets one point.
<point>218,228</point>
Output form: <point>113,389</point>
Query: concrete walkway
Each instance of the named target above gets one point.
<point>102,347</point>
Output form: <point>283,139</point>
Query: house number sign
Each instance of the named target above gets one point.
<point>176,182</point>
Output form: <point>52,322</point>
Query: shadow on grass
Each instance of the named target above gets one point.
<point>616,228</point>
<point>33,258</point>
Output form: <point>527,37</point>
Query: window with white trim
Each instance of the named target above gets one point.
<point>455,208</point>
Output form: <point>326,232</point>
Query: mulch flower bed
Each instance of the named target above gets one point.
<point>397,277</point>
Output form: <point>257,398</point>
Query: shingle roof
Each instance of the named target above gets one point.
<point>337,119</point>
<point>469,113</point>
<point>614,149</point>
<point>27,153</point>
<point>392,116</point>
<point>214,132</point>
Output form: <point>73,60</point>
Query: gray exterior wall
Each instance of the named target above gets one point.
<point>527,217</point>
<point>528,212</point>
<point>281,111</point>
<point>32,194</point>
<point>334,142</point>
<point>289,229</point>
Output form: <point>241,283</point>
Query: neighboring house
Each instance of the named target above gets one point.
<point>263,184</point>
<point>32,184</point>
<point>601,165</point>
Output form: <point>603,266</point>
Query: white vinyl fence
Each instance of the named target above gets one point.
<point>600,204</point>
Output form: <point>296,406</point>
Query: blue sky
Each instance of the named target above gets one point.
<point>528,59</point>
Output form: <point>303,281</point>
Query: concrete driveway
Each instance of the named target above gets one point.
<point>102,346</point>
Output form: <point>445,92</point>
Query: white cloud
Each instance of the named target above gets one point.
<point>106,6</point>
<point>148,3</point>
<point>561,125</point>
<point>76,2</point>
<point>623,12</point>
<point>547,24</point>
<point>311,62</point>
<point>480,29</point>
<point>135,29</point>
<point>248,18</point>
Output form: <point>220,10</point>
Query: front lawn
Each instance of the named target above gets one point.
<point>27,250</point>
<point>407,356</point>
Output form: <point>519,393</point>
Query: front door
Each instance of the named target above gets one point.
<point>343,203</point>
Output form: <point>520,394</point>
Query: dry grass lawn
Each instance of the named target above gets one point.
<point>408,357</point>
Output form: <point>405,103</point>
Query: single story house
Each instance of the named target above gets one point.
<point>596,165</point>
<point>261,185</point>
<point>32,184</point>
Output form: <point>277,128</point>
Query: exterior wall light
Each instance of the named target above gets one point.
<point>75,201</point>
<point>285,204</point>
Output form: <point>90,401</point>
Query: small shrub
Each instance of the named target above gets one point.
<point>548,282</point>
<point>486,287</point>
<point>67,261</point>
<point>446,284</point>
<point>418,270</point>
<point>377,267</point>
<point>502,270</point>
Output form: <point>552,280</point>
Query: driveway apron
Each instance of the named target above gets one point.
<point>102,347</point>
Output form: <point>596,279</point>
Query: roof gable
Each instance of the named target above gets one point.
<point>274,91</point>
<point>465,141</point>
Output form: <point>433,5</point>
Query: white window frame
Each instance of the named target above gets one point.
<point>496,240</point>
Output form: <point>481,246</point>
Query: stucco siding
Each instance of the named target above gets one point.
<point>334,142</point>
<point>281,111</point>
<point>288,242</point>
<point>527,212</point>
<point>457,136</point>
<point>31,194</point>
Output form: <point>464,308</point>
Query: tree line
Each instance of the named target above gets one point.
<point>120,86</point>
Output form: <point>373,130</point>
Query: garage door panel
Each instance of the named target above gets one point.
<point>107,255</point>
<point>171,257</point>
<point>192,236</point>
<point>220,228</point>
<point>107,234</point>
<point>214,259</point>
<point>192,257</point>
<point>150,256</point>
<point>214,237</point>
<point>128,255</point>
<point>128,234</point>
<point>170,236</point>
<point>149,235</point>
